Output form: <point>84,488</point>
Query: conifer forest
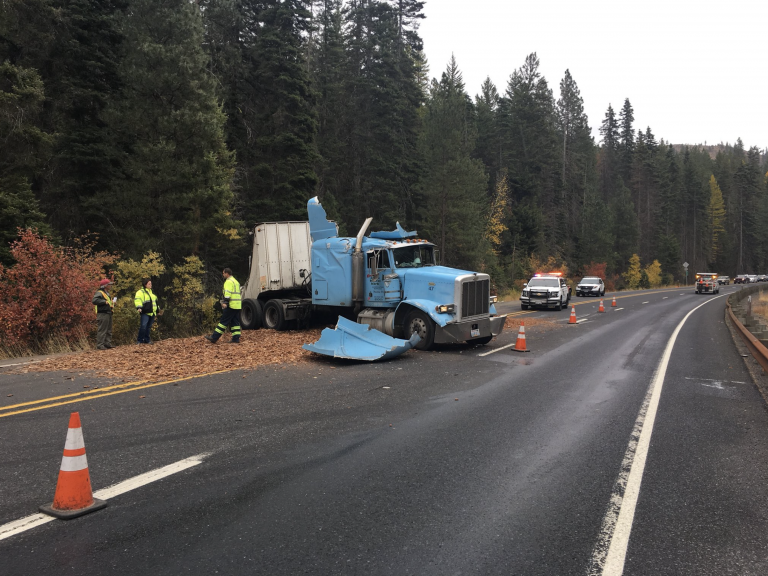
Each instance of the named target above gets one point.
<point>172,126</point>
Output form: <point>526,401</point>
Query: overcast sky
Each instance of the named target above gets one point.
<point>694,72</point>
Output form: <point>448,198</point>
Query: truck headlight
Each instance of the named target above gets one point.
<point>494,299</point>
<point>445,308</point>
<point>525,293</point>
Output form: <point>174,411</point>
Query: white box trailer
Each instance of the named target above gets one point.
<point>279,276</point>
<point>280,253</point>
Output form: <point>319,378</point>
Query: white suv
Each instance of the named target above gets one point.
<point>545,291</point>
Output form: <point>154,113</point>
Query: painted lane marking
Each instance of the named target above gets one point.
<point>617,309</point>
<point>715,380</point>
<point>99,394</point>
<point>35,520</point>
<point>645,302</point>
<point>497,349</point>
<point>665,297</point>
<point>582,320</point>
<point>611,547</point>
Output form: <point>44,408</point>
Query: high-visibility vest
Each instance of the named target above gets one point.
<point>232,291</point>
<point>145,295</point>
<point>107,298</point>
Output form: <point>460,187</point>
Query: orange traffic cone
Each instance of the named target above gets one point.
<point>74,496</point>
<point>601,308</point>
<point>613,304</point>
<point>520,344</point>
<point>572,319</point>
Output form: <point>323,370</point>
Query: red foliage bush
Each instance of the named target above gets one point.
<point>48,291</point>
<point>595,269</point>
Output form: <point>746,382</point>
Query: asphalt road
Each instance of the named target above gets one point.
<point>454,461</point>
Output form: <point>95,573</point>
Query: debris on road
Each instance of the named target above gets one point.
<point>181,357</point>
<point>540,324</point>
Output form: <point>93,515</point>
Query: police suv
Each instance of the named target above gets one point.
<point>546,291</point>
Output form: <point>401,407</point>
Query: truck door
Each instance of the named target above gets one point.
<point>382,284</point>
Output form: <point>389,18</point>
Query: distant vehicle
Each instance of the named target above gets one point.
<point>546,290</point>
<point>762,278</point>
<point>590,286</point>
<point>741,279</point>
<point>706,282</point>
<point>724,280</point>
<point>753,278</point>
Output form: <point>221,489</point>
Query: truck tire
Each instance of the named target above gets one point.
<point>417,321</point>
<point>274,316</point>
<point>251,315</point>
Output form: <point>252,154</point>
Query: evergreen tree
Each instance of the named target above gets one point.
<point>627,140</point>
<point>23,149</point>
<point>608,158</point>
<point>716,218</point>
<point>176,196</point>
<point>453,186</point>
<point>488,148</point>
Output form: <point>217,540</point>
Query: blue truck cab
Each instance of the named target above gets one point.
<point>391,282</point>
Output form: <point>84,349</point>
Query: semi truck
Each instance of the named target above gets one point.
<point>389,281</point>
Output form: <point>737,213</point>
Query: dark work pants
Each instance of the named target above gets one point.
<point>104,330</point>
<point>144,327</point>
<point>231,318</point>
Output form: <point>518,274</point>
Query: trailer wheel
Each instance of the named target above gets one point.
<point>251,315</point>
<point>274,317</point>
<point>417,321</point>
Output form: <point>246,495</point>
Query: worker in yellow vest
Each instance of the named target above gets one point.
<point>231,304</point>
<point>103,305</point>
<point>145,302</point>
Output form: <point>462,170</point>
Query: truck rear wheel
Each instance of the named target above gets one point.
<point>417,321</point>
<point>251,315</point>
<point>274,316</point>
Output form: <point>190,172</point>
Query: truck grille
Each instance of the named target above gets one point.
<point>539,294</point>
<point>475,298</point>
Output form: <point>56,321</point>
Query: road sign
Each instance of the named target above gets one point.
<point>685,265</point>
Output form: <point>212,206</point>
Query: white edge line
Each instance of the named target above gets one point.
<point>497,350</point>
<point>611,548</point>
<point>645,302</point>
<point>20,364</point>
<point>617,309</point>
<point>24,524</point>
<point>29,522</point>
<point>148,477</point>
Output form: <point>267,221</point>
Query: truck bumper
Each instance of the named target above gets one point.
<point>463,331</point>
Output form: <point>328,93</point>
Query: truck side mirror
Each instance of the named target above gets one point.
<point>525,285</point>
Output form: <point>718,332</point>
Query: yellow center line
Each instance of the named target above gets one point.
<point>100,390</point>
<point>111,393</point>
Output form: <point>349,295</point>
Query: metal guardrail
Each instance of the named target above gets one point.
<point>756,348</point>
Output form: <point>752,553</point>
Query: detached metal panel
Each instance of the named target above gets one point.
<point>280,251</point>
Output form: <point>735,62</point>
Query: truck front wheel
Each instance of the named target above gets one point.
<point>274,316</point>
<point>250,315</point>
<point>417,321</point>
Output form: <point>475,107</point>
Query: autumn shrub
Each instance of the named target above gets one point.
<point>595,269</point>
<point>47,293</point>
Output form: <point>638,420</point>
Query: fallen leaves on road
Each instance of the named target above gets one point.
<point>181,357</point>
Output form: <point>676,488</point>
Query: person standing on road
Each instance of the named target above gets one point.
<point>230,310</point>
<point>102,305</point>
<point>146,304</point>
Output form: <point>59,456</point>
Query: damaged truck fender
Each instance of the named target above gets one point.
<point>355,341</point>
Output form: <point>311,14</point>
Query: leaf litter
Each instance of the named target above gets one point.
<point>182,357</point>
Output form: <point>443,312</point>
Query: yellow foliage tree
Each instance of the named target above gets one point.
<point>495,226</point>
<point>653,271</point>
<point>130,272</point>
<point>634,272</point>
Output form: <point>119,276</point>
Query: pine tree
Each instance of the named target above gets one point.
<point>627,140</point>
<point>23,149</point>
<point>608,158</point>
<point>488,147</point>
<point>716,216</point>
<point>176,196</point>
<point>453,185</point>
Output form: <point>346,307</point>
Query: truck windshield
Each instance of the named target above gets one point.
<point>414,256</point>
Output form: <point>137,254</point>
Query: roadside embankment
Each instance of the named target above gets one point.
<point>745,311</point>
